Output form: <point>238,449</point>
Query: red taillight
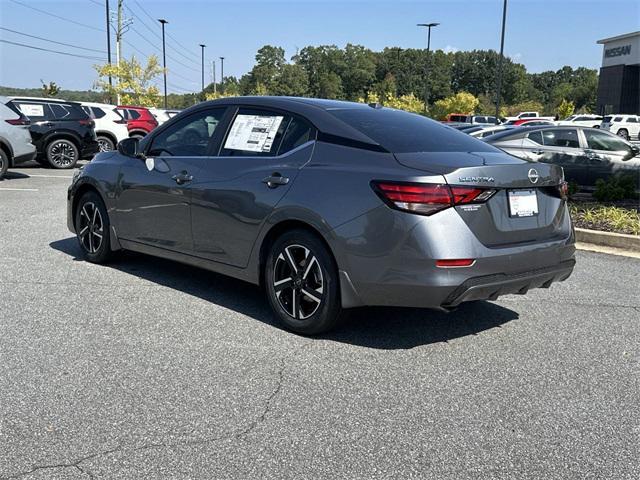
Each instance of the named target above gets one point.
<point>19,121</point>
<point>88,122</point>
<point>564,189</point>
<point>429,198</point>
<point>457,262</point>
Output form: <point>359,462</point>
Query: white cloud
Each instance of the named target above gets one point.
<point>450,49</point>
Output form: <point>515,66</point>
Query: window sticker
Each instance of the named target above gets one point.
<point>31,110</point>
<point>253,133</point>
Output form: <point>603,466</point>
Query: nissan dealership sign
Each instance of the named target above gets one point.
<point>621,50</point>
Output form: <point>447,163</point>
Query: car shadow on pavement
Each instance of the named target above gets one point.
<point>13,176</point>
<point>386,328</point>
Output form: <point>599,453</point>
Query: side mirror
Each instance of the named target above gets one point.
<point>129,147</point>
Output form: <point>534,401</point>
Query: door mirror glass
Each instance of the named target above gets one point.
<point>129,147</point>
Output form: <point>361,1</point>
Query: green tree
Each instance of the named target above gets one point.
<point>461,102</point>
<point>565,109</point>
<point>132,81</point>
<point>50,90</point>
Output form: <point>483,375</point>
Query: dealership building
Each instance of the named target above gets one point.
<point>619,83</point>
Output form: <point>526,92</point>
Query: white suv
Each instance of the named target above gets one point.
<point>110,126</point>
<point>584,120</point>
<point>15,139</point>
<point>625,126</point>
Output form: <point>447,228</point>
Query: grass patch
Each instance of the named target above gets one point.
<point>609,219</point>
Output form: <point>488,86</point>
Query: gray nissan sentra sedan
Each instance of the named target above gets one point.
<point>328,205</point>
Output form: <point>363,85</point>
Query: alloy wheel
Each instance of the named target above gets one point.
<point>62,154</point>
<point>104,145</point>
<point>91,227</point>
<point>298,281</point>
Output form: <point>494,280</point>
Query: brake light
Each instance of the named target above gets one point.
<point>429,198</point>
<point>564,190</point>
<point>457,262</point>
<point>19,121</point>
<point>87,121</point>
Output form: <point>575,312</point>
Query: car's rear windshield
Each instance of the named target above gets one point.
<point>403,132</point>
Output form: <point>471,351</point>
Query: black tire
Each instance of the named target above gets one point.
<point>62,153</point>
<point>105,144</point>
<point>318,309</point>
<point>623,133</point>
<point>92,226</point>
<point>4,163</point>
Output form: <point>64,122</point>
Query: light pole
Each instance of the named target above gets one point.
<point>164,61</point>
<point>221,74</point>
<point>202,47</point>
<point>499,74</point>
<point>428,26</point>
<point>109,48</point>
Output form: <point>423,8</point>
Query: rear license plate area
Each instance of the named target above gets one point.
<point>522,203</point>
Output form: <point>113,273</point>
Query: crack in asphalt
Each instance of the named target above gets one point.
<point>260,419</point>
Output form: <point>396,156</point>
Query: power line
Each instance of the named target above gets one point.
<point>52,41</point>
<point>186,50</point>
<point>58,16</point>
<point>49,50</point>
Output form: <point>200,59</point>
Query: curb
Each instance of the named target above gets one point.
<point>608,239</point>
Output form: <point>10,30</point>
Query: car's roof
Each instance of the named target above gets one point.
<point>39,99</point>
<point>135,107</point>
<point>316,110</point>
<point>96,104</point>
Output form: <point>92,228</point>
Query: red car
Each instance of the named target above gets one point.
<point>530,122</point>
<point>140,120</point>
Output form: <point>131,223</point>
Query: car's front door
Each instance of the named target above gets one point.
<point>154,196</point>
<point>236,191</point>
<point>560,147</point>
<point>609,155</point>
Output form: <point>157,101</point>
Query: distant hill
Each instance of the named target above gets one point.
<point>70,95</point>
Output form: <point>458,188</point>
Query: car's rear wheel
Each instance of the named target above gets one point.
<point>92,228</point>
<point>4,163</point>
<point>62,153</point>
<point>623,133</point>
<point>105,144</point>
<point>301,280</point>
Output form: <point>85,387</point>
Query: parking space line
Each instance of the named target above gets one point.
<point>20,189</point>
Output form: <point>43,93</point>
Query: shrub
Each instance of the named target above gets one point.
<point>618,187</point>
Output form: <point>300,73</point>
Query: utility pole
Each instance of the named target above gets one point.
<point>213,75</point>
<point>221,74</point>
<point>202,47</point>
<point>119,43</point>
<point>109,48</point>
<point>426,70</point>
<point>499,74</point>
<point>164,61</point>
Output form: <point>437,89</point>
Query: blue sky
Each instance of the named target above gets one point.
<point>541,34</point>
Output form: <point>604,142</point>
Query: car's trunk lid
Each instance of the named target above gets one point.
<point>494,222</point>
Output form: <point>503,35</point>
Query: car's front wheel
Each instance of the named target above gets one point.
<point>301,280</point>
<point>623,133</point>
<point>92,228</point>
<point>62,153</point>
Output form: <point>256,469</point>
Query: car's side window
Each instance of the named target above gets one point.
<point>298,132</point>
<point>561,138</point>
<point>188,137</point>
<point>255,133</point>
<point>602,141</point>
<point>35,111</point>
<point>59,112</point>
<point>536,137</point>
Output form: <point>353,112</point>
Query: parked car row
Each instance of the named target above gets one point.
<point>58,133</point>
<point>585,154</point>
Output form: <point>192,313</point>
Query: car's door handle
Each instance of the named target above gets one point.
<point>275,180</point>
<point>182,178</point>
<point>537,152</point>
<point>593,156</point>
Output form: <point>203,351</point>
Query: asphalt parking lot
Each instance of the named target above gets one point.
<point>149,369</point>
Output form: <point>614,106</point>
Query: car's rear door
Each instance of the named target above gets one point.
<point>560,147</point>
<point>235,192</point>
<point>154,195</point>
